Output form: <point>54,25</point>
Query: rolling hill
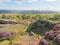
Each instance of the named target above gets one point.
<point>27,11</point>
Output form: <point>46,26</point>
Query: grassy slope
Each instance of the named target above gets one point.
<point>25,39</point>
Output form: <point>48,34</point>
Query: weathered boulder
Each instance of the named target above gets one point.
<point>41,23</point>
<point>40,27</point>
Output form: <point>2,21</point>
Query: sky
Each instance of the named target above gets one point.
<point>30,5</point>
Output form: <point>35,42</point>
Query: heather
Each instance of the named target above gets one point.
<point>30,29</point>
<point>52,37</point>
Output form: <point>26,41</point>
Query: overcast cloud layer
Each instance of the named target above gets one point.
<point>30,4</point>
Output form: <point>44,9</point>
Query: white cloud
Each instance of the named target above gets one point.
<point>17,2</point>
<point>32,0</point>
<point>22,1</point>
<point>5,0</point>
<point>50,8</point>
<point>51,0</point>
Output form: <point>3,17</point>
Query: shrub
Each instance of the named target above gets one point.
<point>53,36</point>
<point>44,42</point>
<point>6,35</point>
<point>50,35</point>
<point>57,39</point>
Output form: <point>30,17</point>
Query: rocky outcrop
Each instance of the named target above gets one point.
<point>41,23</point>
<point>8,21</point>
<point>40,27</point>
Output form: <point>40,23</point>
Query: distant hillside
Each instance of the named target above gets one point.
<point>38,12</point>
<point>27,11</point>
